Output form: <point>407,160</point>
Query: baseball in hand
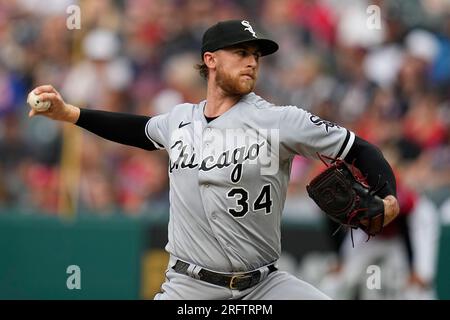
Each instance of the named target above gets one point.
<point>37,104</point>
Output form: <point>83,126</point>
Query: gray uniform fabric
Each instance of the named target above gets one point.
<point>229,177</point>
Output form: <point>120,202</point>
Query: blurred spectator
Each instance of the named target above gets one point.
<point>181,81</point>
<point>103,77</point>
<point>423,124</point>
<point>141,178</point>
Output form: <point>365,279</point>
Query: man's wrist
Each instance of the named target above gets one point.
<point>74,113</point>
<point>391,209</point>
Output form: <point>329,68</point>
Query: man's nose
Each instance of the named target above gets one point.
<point>252,61</point>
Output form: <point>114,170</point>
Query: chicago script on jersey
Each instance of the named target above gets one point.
<point>236,156</point>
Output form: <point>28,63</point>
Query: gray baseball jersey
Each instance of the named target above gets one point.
<point>228,177</point>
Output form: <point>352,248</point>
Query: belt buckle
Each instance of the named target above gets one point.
<point>234,278</point>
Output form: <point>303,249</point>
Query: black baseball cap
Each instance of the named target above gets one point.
<point>231,32</point>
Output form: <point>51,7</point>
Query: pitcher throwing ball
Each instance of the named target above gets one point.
<point>230,158</point>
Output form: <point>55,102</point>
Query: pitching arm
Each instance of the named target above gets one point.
<point>372,164</point>
<point>127,129</point>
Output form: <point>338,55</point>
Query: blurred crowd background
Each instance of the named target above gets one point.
<point>388,82</point>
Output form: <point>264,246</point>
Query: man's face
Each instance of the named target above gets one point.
<point>237,69</point>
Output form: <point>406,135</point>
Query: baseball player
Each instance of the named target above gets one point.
<point>229,164</point>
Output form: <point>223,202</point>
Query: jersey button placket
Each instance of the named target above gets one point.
<point>206,141</point>
<point>206,152</point>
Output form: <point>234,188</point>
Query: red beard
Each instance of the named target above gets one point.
<point>234,85</point>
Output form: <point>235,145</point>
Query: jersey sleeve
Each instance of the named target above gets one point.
<point>306,134</point>
<point>157,130</point>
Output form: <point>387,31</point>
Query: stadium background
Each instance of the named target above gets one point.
<point>70,198</point>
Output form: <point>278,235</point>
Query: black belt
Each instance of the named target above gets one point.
<point>237,281</point>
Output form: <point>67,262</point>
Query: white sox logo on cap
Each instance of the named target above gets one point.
<point>249,28</point>
<point>233,32</point>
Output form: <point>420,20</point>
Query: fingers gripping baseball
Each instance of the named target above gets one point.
<point>45,100</point>
<point>42,98</point>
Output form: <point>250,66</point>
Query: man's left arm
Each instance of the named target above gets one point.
<point>372,164</point>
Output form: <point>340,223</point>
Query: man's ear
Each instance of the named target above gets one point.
<point>210,59</point>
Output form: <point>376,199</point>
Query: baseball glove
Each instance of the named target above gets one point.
<point>344,195</point>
